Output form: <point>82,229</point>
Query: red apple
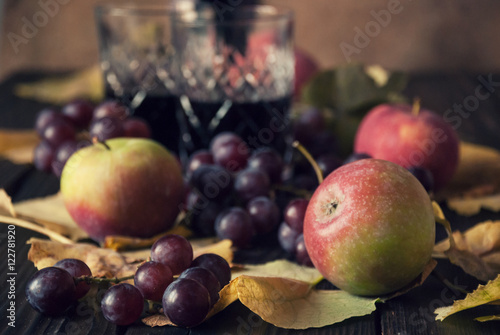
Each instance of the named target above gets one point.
<point>126,186</point>
<point>369,227</point>
<point>410,137</point>
<point>305,68</point>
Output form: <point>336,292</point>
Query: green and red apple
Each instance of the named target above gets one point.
<point>125,186</point>
<point>369,227</point>
<point>409,137</point>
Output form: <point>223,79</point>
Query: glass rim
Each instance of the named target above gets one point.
<point>263,14</point>
<point>147,7</point>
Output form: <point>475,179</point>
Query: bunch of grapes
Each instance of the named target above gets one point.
<point>75,125</point>
<point>186,300</point>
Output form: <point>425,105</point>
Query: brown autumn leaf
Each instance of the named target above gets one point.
<point>482,240</point>
<point>18,145</point>
<point>467,260</point>
<point>102,262</point>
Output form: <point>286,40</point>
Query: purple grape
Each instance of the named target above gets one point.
<point>294,214</point>
<point>174,251</point>
<point>304,182</point>
<point>301,254</point>
<point>76,268</point>
<point>309,124</point>
<point>269,161</point>
<point>203,216</point>
<point>323,143</point>
<point>51,291</point>
<point>251,183</point>
<point>235,224</point>
<point>215,263</point>
<point>136,127</point>
<point>43,156</point>
<point>424,176</point>
<point>197,159</point>
<point>206,278</point>
<point>186,302</point>
<point>62,154</point>
<point>287,237</point>
<point>229,151</point>
<point>106,128</point>
<point>111,108</point>
<point>44,117</point>
<point>356,157</point>
<point>59,131</point>
<point>265,214</point>
<point>152,279</point>
<point>122,304</point>
<point>213,182</point>
<point>79,112</point>
<point>328,163</point>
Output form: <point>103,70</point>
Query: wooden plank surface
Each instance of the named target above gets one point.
<point>409,314</point>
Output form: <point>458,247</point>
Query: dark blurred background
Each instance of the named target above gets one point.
<point>422,35</point>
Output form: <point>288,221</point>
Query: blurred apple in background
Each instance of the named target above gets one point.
<point>125,186</point>
<point>411,137</point>
<point>305,68</point>
<point>369,227</point>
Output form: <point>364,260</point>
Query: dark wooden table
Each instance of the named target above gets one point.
<point>478,121</point>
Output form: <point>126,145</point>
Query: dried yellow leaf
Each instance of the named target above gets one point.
<point>87,83</point>
<point>18,145</point>
<point>483,295</point>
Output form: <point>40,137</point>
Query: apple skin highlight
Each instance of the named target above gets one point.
<point>369,228</point>
<point>134,188</point>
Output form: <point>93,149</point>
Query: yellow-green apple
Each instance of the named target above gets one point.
<point>409,137</point>
<point>124,186</point>
<point>369,227</point>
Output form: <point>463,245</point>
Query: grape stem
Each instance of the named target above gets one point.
<point>98,280</point>
<point>310,159</point>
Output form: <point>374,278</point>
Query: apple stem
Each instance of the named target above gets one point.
<point>416,107</point>
<point>310,159</point>
<point>95,140</point>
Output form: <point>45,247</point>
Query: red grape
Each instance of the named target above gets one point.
<point>136,127</point>
<point>212,181</point>
<point>229,151</point>
<point>51,291</point>
<point>206,278</point>
<point>79,112</point>
<point>43,156</point>
<point>76,268</point>
<point>152,278</point>
<point>197,159</point>
<point>186,302</point>
<point>287,237</point>
<point>111,108</point>
<point>269,161</point>
<point>301,254</point>
<point>215,263</point>
<point>235,224</point>
<point>294,213</point>
<point>122,304</point>
<point>424,176</point>
<point>265,214</point>
<point>174,251</point>
<point>251,183</point>
<point>62,154</point>
<point>59,131</point>
<point>106,128</point>
<point>44,117</point>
